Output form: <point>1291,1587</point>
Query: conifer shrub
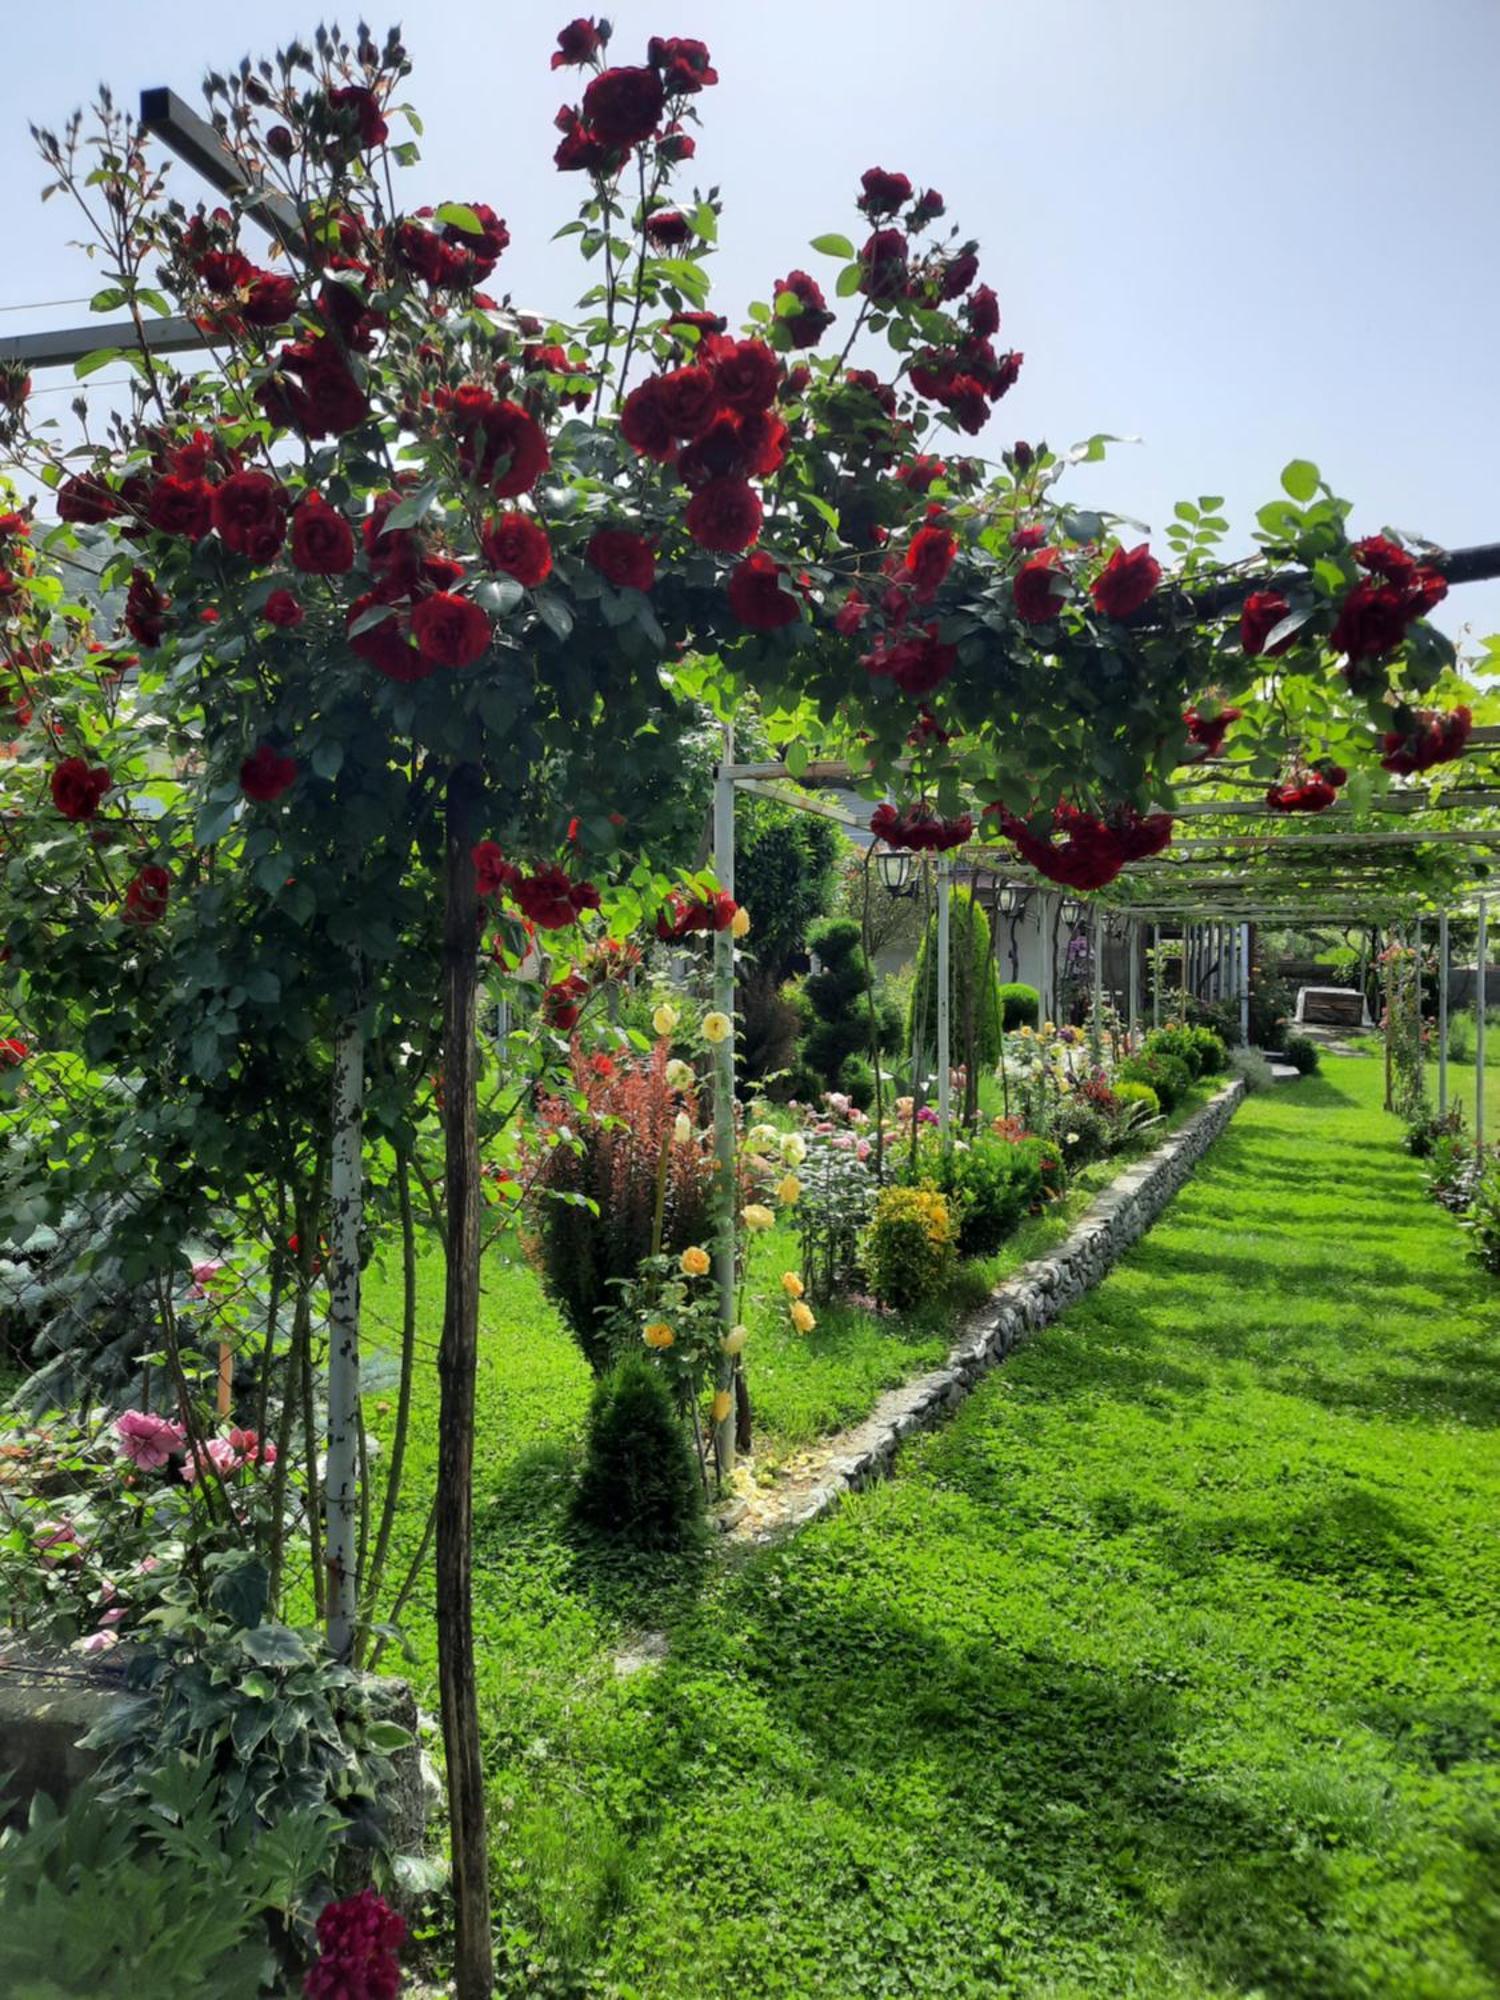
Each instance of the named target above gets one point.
<point>639,1485</point>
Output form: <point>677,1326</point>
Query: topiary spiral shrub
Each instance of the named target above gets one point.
<point>1020,1005</point>
<point>639,1484</point>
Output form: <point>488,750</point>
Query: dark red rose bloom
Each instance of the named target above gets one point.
<point>1035,589</point>
<point>756,597</point>
<point>146,897</point>
<point>1210,730</point>
<point>13,1052</point>
<point>224,271</point>
<point>249,511</point>
<point>450,631</point>
<point>439,572</point>
<point>928,561</point>
<point>702,323</point>
<point>733,448</point>
<point>517,545</point>
<point>725,516</point>
<point>1262,612</point>
<point>539,360</point>
<point>282,608</point>
<point>580,150</point>
<point>500,443</point>
<point>690,399</point>
<point>1424,737</point>
<point>745,375</point>
<point>684,63</point>
<point>644,422</point>
<point>1309,792</point>
<point>921,473</point>
<point>959,273</point>
<point>674,146</point>
<point>669,229</point>
<point>964,398</point>
<point>1385,558</point>
<point>918,828</point>
<point>983,312</point>
<point>625,559</point>
<point>181,507</point>
<point>1092,851</point>
<point>579,42</point>
<point>87,501</point>
<point>266,773</point>
<point>883,265</point>
<point>808,326</point>
<point>1126,582</point>
<point>395,554</point>
<point>850,615</point>
<point>917,662</point>
<point>422,252</point>
<point>1021,456</point>
<point>927,207</point>
<point>562,1002</point>
<point>795,383</point>
<point>322,540</point>
<point>492,872</point>
<point>270,299</point>
<point>1372,621</point>
<point>1031,537</point>
<point>551,899</point>
<point>145,610</point>
<point>362,108</point>
<point>883,193</point>
<point>323,399</point>
<point>77,790</point>
<point>385,646</point>
<point>479,250</point>
<point>623,106</point>
<point>358,1942</point>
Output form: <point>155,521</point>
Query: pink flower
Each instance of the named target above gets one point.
<point>863,1150</point>
<point>220,1451</point>
<point>250,1448</point>
<point>98,1642</point>
<point>204,1274</point>
<point>147,1440</point>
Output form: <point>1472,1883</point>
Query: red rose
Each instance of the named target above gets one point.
<point>964,398</point>
<point>1262,612</point>
<point>77,790</point>
<point>13,1052</point>
<point>917,663</point>
<point>539,360</point>
<point>724,516</point>
<point>1035,590</point>
<point>883,265</point>
<point>623,106</point>
<point>86,500</point>
<point>422,253</point>
<point>324,399</point>
<point>145,610</point>
<point>1383,557</point>
<point>734,448</point>
<point>745,375</point>
<point>928,561</point>
<point>322,540</point>
<point>476,251</point>
<point>625,559</point>
<point>562,1002</point>
<point>492,872</point>
<point>551,899</point>
<point>266,773</point>
<point>690,399</point>
<point>983,312</point>
<point>674,146</point>
<point>579,42</point>
<point>1031,537</point>
<point>1311,793</point>
<point>808,326</point>
<point>685,63</point>
<point>756,597</point>
<point>644,422</point>
<point>580,150</point>
<point>1424,737</point>
<point>959,273</point>
<point>883,193</point>
<point>516,544</point>
<point>850,615</point>
<point>181,507</point>
<point>921,473</point>
<point>1210,730</point>
<point>1372,621</point>
<point>282,608</point>
<point>270,300</point>
<point>501,444</point>
<point>146,897</point>
<point>385,645</point>
<point>249,511</point>
<point>669,229</point>
<point>450,631</point>
<point>1126,582</point>
<point>360,108</point>
<point>927,207</point>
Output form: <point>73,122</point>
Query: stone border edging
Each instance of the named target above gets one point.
<point>1032,1298</point>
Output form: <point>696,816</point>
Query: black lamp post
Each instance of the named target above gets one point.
<point>1010,902</point>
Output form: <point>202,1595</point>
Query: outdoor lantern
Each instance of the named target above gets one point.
<point>896,871</point>
<point>1072,911</point>
<point>1011,899</point>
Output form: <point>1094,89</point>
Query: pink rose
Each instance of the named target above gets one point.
<point>147,1440</point>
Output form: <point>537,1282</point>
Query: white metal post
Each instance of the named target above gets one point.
<point>1416,1003</point>
<point>944,977</point>
<point>1096,1006</point>
<point>1244,982</point>
<point>723,1091</point>
<point>345,1411</point>
<point>1133,982</point>
<point>1156,975</point>
<point>1443,1015</point>
<point>1479,1013</point>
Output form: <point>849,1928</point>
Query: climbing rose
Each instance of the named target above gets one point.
<point>322,540</point>
<point>808,326</point>
<point>882,264</point>
<point>745,376</point>
<point>282,608</point>
<point>363,107</point>
<point>181,507</point>
<point>1311,792</point>
<point>249,511</point>
<point>562,1002</point>
<point>358,1942</point>
<point>756,597</point>
<point>551,899</point>
<point>492,872</point>
<point>1424,737</point>
<point>928,561</point>
<point>724,516</point>
<point>384,645</point>
<point>644,422</point>
<point>147,1440</point>
<point>86,501</point>
<point>579,42</point>
<point>1262,612</point>
<point>13,1052</point>
<point>685,62</point>
<point>266,773</point>
<point>623,558</point>
<point>883,193</point>
<point>146,897</point>
<point>1126,582</point>
<point>917,662</point>
<point>517,545</point>
<point>450,631</point>
<point>669,229</point>
<point>145,610</point>
<point>983,312</point>
<point>77,790</point>
<point>622,106</point>
<point>1210,730</point>
<point>1035,589</point>
<point>490,431</point>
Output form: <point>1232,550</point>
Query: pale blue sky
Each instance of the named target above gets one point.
<point>1244,232</point>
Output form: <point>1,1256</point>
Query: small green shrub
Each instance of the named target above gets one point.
<point>1213,1053</point>
<point>639,1484</point>
<point>1302,1054</point>
<point>857,1080</point>
<point>1453,1172</point>
<point>1167,1075</point>
<point>991,1185</point>
<point>1463,1037</point>
<point>1428,1127</point>
<point>1483,1219</point>
<point>1138,1093</point>
<point>1182,1043</point>
<point>1252,1067</point>
<point>1020,1005</point>
<point>910,1245</point>
<point>1082,1132</point>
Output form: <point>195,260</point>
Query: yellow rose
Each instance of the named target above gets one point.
<point>695,1263</point>
<point>792,1285</point>
<point>658,1334</point>
<point>757,1216</point>
<point>793,1149</point>
<point>763,1139</point>
<point>723,1403</point>
<point>679,1074</point>
<point>717,1028</point>
<point>682,1128</point>
<point>803,1317</point>
<point>788,1188</point>
<point>734,1341</point>
<point>740,926</point>
<point>665,1019</point>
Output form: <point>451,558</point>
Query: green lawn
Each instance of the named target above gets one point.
<point>1167,1669</point>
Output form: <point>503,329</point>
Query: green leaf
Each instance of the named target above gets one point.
<point>1301,479</point>
<point>554,614</point>
<point>848,281</point>
<point>92,363</point>
<point>410,513</point>
<point>274,1646</point>
<point>456,216</point>
<point>387,1736</point>
<point>215,821</point>
<point>832,246</point>
<point>107,301</point>
<point>1285,627</point>
<point>328,756</point>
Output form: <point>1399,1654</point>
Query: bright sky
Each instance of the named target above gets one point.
<point>1241,230</point>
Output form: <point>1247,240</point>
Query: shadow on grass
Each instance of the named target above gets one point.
<point>1456,1381</point>
<point>1356,1541</point>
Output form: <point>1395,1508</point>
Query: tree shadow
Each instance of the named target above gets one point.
<point>1357,1541</point>
<point>1455,1381</point>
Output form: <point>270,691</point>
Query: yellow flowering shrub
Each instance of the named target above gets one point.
<point>911,1245</point>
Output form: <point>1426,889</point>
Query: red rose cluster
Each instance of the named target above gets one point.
<point>358,1942</point>
<point>1307,791</point>
<point>77,790</point>
<point>146,896</point>
<point>13,1052</point>
<point>1126,582</point>
<point>1261,613</point>
<point>1425,737</point>
<point>684,916</point>
<point>916,828</point>
<point>562,1002</point>
<point>630,105</point>
<point>1375,615</point>
<point>412,621</point>
<point>917,660</point>
<point>548,897</point>
<point>1092,851</point>
<point>1209,729</point>
<point>450,257</point>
